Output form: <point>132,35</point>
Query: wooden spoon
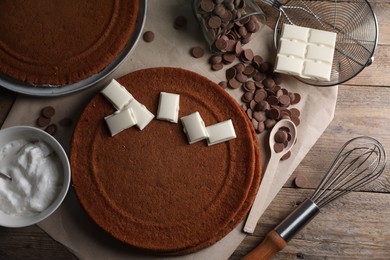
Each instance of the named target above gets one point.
<point>266,182</point>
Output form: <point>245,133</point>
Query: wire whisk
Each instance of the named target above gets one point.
<point>359,161</point>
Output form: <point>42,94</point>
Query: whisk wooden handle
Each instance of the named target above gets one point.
<point>271,244</point>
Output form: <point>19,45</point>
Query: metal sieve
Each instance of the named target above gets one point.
<point>354,22</point>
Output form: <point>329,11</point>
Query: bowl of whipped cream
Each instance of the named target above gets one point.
<point>34,175</point>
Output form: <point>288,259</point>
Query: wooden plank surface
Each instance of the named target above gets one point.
<point>354,227</point>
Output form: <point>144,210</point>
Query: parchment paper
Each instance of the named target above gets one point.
<point>70,225</point>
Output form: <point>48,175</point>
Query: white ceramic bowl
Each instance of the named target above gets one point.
<point>34,134</point>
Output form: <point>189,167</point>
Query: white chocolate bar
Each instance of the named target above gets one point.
<point>120,121</point>
<point>220,132</point>
<point>117,95</point>
<point>194,127</point>
<point>168,107</point>
<point>141,114</point>
<point>318,50</point>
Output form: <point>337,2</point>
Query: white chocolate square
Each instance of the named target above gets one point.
<point>319,70</point>
<point>141,114</point>
<point>292,48</point>
<point>168,107</point>
<point>220,132</point>
<point>194,127</point>
<point>293,32</point>
<point>117,95</point>
<point>323,37</point>
<point>289,65</point>
<point>319,53</point>
<point>120,121</point>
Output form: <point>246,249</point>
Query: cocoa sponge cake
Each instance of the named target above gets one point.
<point>58,42</point>
<point>150,188</point>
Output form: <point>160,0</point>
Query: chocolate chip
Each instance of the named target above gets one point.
<point>228,58</point>
<point>260,127</point>
<point>286,156</point>
<point>297,98</point>
<point>273,113</point>
<point>249,71</point>
<point>281,136</point>
<point>43,121</point>
<point>295,112</point>
<point>234,83</point>
<point>301,181</point>
<point>247,55</point>
<point>51,129</point>
<point>221,44</point>
<point>217,66</point>
<point>284,100</point>
<point>207,5</point>
<point>241,77</point>
<point>230,73</point>
<point>215,59</point>
<point>259,116</point>
<point>197,52</point>
<point>48,111</point>
<point>278,147</point>
<point>247,97</point>
<point>260,95</point>
<point>148,36</point>
<point>257,61</point>
<point>269,123</point>
<point>240,67</point>
<point>262,106</point>
<point>295,120</point>
<point>180,22</point>
<point>214,22</point>
<point>249,86</point>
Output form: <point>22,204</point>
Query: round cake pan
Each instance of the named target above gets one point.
<point>51,91</point>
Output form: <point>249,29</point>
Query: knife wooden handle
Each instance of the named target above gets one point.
<point>271,244</point>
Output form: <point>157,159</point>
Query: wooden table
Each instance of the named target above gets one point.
<point>356,226</point>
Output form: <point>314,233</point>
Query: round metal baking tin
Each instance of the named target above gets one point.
<point>51,91</point>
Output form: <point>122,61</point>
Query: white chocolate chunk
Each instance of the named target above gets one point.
<point>117,95</point>
<point>220,132</point>
<point>319,53</point>
<point>120,121</point>
<point>289,65</point>
<point>194,127</point>
<point>292,48</point>
<point>293,32</point>
<point>168,107</point>
<point>318,69</point>
<point>141,114</point>
<point>323,37</point>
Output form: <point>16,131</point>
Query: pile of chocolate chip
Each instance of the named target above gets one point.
<point>265,101</point>
<point>226,22</point>
<point>45,120</point>
<point>282,138</point>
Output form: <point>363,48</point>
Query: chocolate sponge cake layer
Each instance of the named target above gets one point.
<point>61,42</point>
<point>150,188</point>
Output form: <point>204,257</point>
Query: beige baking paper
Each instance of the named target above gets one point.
<point>70,225</point>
